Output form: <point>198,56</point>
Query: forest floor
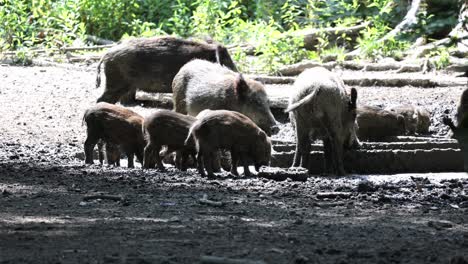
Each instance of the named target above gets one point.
<point>55,209</point>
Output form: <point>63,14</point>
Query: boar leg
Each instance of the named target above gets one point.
<point>157,149</point>
<point>245,164</point>
<point>148,160</point>
<point>201,168</point>
<point>216,161</point>
<point>183,160</point>
<point>234,162</point>
<point>129,98</point>
<point>100,145</point>
<point>89,144</point>
<point>130,157</point>
<point>337,155</point>
<point>208,161</point>
<point>327,157</point>
<point>115,89</point>
<point>301,156</point>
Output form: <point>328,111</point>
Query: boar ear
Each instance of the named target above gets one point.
<point>352,103</point>
<point>241,87</point>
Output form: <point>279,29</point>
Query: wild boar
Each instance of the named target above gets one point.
<point>223,129</point>
<point>203,85</point>
<point>150,64</point>
<point>375,123</point>
<point>417,118</point>
<point>116,124</point>
<point>167,128</point>
<point>320,107</point>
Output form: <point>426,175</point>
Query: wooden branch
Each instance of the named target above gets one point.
<point>272,79</point>
<point>204,200</point>
<point>99,40</point>
<point>297,68</point>
<point>248,49</point>
<point>99,47</point>
<point>409,20</point>
<point>311,35</point>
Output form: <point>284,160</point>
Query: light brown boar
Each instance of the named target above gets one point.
<point>321,108</point>
<point>233,131</point>
<point>167,128</point>
<point>417,118</point>
<point>375,123</point>
<point>203,85</point>
<point>115,124</point>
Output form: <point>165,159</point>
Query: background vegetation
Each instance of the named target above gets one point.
<point>57,23</point>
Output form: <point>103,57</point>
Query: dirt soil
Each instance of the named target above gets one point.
<point>55,209</point>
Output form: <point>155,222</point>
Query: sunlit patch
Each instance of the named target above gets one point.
<point>15,188</point>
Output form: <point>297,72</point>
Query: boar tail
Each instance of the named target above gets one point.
<point>303,101</point>
<point>190,137</point>
<point>98,77</point>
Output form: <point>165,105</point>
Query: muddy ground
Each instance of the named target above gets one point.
<point>54,209</point>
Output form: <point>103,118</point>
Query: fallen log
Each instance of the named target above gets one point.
<point>297,68</point>
<point>272,79</point>
<point>311,36</point>
<point>408,21</point>
<point>99,47</point>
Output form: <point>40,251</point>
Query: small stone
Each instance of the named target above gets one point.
<point>439,225</point>
<point>6,193</point>
<point>458,260</point>
<point>366,186</point>
<point>323,195</point>
<point>301,259</point>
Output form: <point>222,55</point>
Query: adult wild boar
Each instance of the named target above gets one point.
<point>460,131</point>
<point>417,118</point>
<point>203,85</point>
<point>320,107</point>
<point>461,116</point>
<point>167,128</point>
<point>150,64</point>
<point>115,124</point>
<point>233,131</point>
<point>375,123</point>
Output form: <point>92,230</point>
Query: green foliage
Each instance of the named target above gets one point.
<point>268,25</point>
<point>28,23</point>
<point>440,58</point>
<point>371,46</point>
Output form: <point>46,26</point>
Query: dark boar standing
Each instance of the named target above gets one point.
<point>222,129</point>
<point>320,107</point>
<point>375,123</point>
<point>115,124</point>
<point>150,64</point>
<point>167,128</point>
<point>417,118</point>
<point>203,85</point>
<point>460,131</point>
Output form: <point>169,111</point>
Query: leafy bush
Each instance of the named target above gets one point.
<point>28,23</point>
